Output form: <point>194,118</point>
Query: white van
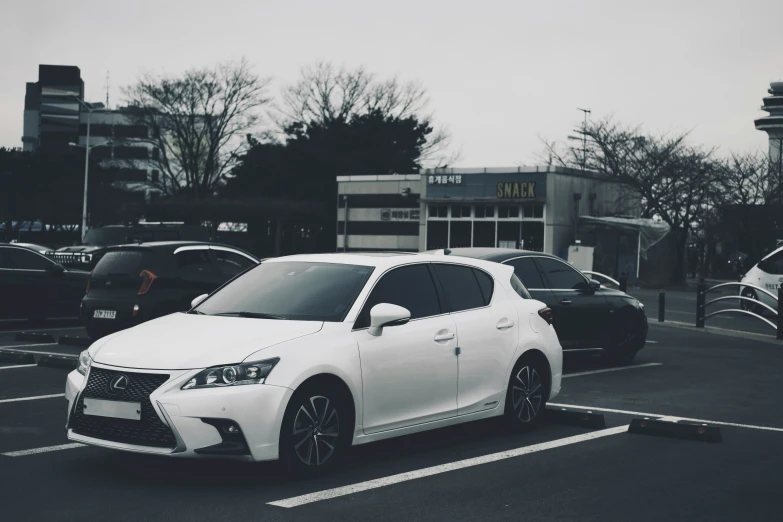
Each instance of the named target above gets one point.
<point>767,274</point>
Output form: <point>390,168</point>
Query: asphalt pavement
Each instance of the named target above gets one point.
<point>476,471</point>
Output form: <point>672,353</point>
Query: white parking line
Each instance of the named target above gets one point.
<point>71,355</point>
<point>18,346</point>
<point>20,399</point>
<point>45,449</point>
<point>17,366</point>
<point>604,370</point>
<point>660,416</point>
<point>41,330</point>
<point>434,470</point>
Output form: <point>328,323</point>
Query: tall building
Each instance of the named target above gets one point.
<point>773,124</point>
<point>56,117</point>
<point>52,108</point>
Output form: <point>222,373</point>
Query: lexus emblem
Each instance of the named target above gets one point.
<point>119,384</point>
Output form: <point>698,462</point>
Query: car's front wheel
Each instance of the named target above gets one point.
<point>316,430</point>
<point>528,391</point>
<point>749,293</point>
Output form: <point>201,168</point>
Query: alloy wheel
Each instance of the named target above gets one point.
<point>527,394</point>
<point>316,431</point>
<point>747,306</point>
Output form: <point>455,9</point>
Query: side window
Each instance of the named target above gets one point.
<point>486,284</point>
<point>560,275</point>
<point>26,260</point>
<point>410,287</point>
<point>230,264</point>
<point>460,286</point>
<point>526,270</point>
<point>194,264</point>
<point>519,288</point>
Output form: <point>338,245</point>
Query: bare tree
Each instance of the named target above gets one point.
<point>325,94</point>
<point>197,121</point>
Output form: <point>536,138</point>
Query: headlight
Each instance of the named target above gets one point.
<point>84,362</point>
<point>232,375</point>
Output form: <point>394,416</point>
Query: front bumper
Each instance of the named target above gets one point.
<point>257,409</point>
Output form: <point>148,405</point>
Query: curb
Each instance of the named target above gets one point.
<point>74,341</point>
<point>35,337</point>
<point>748,336</point>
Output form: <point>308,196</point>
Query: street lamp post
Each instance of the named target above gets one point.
<point>86,173</point>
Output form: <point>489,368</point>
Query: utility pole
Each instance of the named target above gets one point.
<point>583,132</point>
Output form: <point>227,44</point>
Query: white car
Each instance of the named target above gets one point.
<point>766,274</point>
<point>303,356</point>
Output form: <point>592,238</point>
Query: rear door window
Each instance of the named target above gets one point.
<point>486,284</point>
<point>195,265</point>
<point>230,264</point>
<point>460,287</point>
<point>526,270</point>
<point>5,259</point>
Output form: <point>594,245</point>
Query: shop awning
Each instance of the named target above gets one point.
<point>650,231</point>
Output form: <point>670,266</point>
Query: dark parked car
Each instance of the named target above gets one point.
<point>586,315</point>
<point>34,287</point>
<point>135,283</point>
<point>97,240</point>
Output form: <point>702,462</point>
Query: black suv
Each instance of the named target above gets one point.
<point>97,240</point>
<point>135,283</point>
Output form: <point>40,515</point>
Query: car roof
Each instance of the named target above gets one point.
<point>493,254</point>
<point>171,245</point>
<point>384,262</point>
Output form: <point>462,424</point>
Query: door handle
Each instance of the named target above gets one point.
<point>444,335</point>
<point>565,302</point>
<point>504,324</point>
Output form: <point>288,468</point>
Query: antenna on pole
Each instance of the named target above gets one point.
<point>107,89</point>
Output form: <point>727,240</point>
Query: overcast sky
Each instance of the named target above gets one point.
<point>500,73</point>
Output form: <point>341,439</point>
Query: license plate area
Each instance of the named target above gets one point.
<point>105,314</point>
<point>113,409</point>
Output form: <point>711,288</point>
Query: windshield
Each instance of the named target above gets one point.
<point>296,290</point>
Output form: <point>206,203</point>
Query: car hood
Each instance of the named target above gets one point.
<point>186,341</point>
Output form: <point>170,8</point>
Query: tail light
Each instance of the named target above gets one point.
<point>87,290</point>
<point>546,314</point>
<point>147,278</point>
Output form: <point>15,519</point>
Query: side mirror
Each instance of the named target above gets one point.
<point>385,314</point>
<point>593,284</point>
<point>197,301</point>
<point>55,268</point>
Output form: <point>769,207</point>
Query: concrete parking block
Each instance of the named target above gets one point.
<point>35,337</point>
<point>58,361</point>
<point>17,357</point>
<point>675,430</point>
<point>74,341</point>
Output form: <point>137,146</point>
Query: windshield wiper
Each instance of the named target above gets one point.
<point>252,315</point>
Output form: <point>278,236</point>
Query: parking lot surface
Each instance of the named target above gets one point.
<point>476,471</point>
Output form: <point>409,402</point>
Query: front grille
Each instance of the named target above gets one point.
<point>149,431</point>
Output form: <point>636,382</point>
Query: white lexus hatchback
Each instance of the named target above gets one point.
<point>302,356</point>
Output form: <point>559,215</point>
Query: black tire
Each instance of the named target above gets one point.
<point>750,307</point>
<point>317,429</point>
<point>632,335</point>
<point>527,393</point>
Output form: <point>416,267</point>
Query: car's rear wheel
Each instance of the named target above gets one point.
<point>528,391</point>
<point>747,305</point>
<point>316,430</point>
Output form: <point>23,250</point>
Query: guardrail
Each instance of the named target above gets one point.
<point>701,305</point>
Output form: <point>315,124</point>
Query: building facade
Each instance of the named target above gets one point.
<point>531,208</point>
<point>52,108</point>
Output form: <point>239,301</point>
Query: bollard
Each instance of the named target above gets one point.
<point>701,288</point>
<point>662,305</point>
<point>623,282</point>
<point>779,322</point>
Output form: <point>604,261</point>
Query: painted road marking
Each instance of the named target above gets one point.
<point>443,468</point>
<point>45,449</point>
<point>604,370</point>
<point>40,330</point>
<point>660,416</point>
<point>18,346</point>
<point>20,399</point>
<point>18,366</point>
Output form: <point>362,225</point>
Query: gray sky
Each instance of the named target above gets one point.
<point>499,73</point>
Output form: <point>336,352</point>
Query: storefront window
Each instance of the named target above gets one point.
<point>484,233</point>
<point>437,234</point>
<point>460,234</point>
<point>438,211</point>
<point>485,211</point>
<point>460,211</point>
<point>533,211</point>
<point>508,211</point>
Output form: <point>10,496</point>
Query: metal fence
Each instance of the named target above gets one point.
<point>757,305</point>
